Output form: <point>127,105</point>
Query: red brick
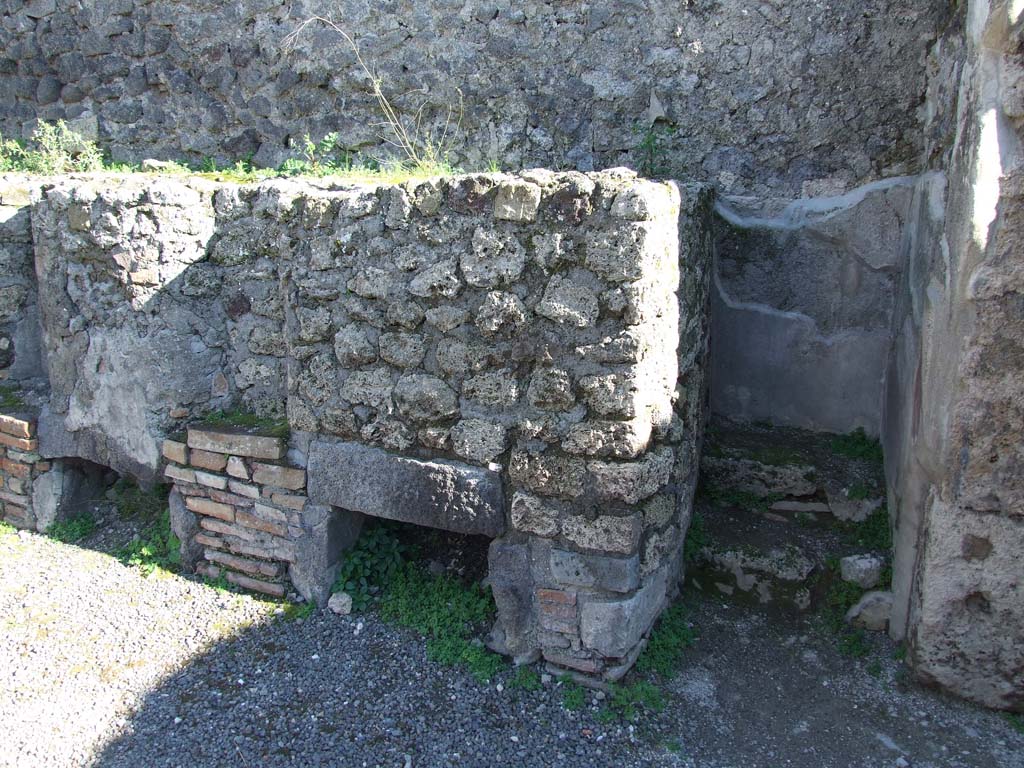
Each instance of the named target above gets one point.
<point>208,541</point>
<point>17,426</point>
<point>14,467</point>
<point>246,582</point>
<point>590,666</point>
<point>556,596</point>
<point>175,451</point>
<point>252,567</point>
<point>559,610</point>
<point>236,442</point>
<point>210,508</point>
<point>228,529</point>
<point>179,473</point>
<point>21,443</point>
<point>208,460</point>
<point>251,521</point>
<point>278,476</point>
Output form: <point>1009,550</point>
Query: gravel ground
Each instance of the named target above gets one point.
<point>105,667</point>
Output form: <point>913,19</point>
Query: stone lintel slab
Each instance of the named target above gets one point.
<point>435,493</point>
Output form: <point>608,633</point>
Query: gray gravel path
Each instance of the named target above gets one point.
<point>104,667</point>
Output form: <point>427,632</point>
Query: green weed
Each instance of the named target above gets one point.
<point>857,445</point>
<point>624,701</point>
<point>298,611</point>
<point>156,548</point>
<point>739,499</point>
<point>573,695</point>
<point>776,456</point>
<point>10,399</point>
<point>1015,720</point>
<point>854,644</point>
<point>858,492</point>
<point>6,529</point>
<point>874,668</point>
<point>240,419</point>
<point>525,679</point>
<point>874,533</point>
<point>696,539</point>
<point>369,566</point>
<point>653,147</point>
<point>447,612</point>
<point>73,529</point>
<point>53,149</point>
<point>668,642</point>
<point>674,746</point>
<point>132,501</point>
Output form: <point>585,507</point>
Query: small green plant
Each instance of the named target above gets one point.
<point>53,148</point>
<point>874,533</point>
<point>900,654</point>
<point>696,539</point>
<point>854,644</point>
<point>734,497</point>
<point>857,445</point>
<point>668,642</point>
<point>841,596</point>
<point>525,679</point>
<point>776,456</point>
<point>674,746</point>
<point>240,419</point>
<point>874,668</point>
<point>156,548</point>
<point>652,148</point>
<point>573,695</point>
<point>624,701</point>
<point>6,529</point>
<point>858,492</point>
<point>73,529</point>
<point>221,583</point>
<point>423,151</point>
<point>447,612</point>
<point>10,399</point>
<point>1015,720</point>
<point>133,501</point>
<point>298,611</point>
<point>370,565</point>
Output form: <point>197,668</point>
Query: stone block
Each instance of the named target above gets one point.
<point>633,481</point>
<point>185,525</point>
<point>439,494</point>
<point>605,533</point>
<point>863,570</point>
<point>614,627</point>
<point>236,442</point>
<point>614,574</point>
<point>278,476</point>
<point>534,515</point>
<point>517,201</point>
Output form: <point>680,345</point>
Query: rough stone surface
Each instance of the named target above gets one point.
<point>447,495</point>
<point>863,570</point>
<point>549,329</point>
<point>871,612</point>
<point>705,70</point>
<point>954,424</point>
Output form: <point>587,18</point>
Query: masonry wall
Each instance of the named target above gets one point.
<point>515,356</point>
<point>954,417</point>
<point>766,98</point>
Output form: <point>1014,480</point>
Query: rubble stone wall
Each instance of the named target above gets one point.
<point>767,98</point>
<point>516,356</point>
